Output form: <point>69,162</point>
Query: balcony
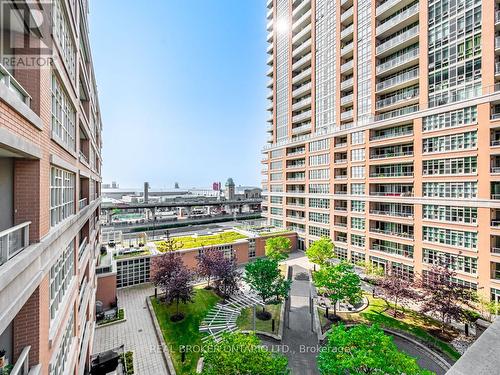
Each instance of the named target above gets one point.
<point>390,6</point>
<point>396,41</point>
<point>392,213</point>
<point>302,76</point>
<point>347,15</point>
<point>393,229</point>
<point>397,81</point>
<point>340,238</point>
<point>302,90</point>
<point>497,42</point>
<point>347,66</point>
<point>346,115</point>
<point>302,62</point>
<point>13,241</point>
<point>406,15</point>
<point>393,132</point>
<point>399,61</point>
<point>82,247</point>
<point>346,100</point>
<point>397,113</point>
<point>347,32</point>
<point>346,84</point>
<point>302,129</point>
<point>301,104</point>
<point>347,49</point>
<point>392,152</point>
<point>306,46</point>
<point>82,203</point>
<point>304,19</point>
<point>392,190</point>
<point>15,87</point>
<point>302,35</point>
<point>302,116</point>
<point>21,367</point>
<point>399,98</point>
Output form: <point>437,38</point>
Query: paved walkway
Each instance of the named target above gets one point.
<point>300,343</point>
<point>137,333</point>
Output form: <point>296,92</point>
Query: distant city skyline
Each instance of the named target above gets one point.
<point>185,104</point>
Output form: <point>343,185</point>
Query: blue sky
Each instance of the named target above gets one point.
<point>182,90</point>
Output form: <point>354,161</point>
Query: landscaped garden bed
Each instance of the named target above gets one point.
<point>191,242</point>
<point>185,332</point>
<point>414,323</point>
<point>245,320</point>
<point>128,360</point>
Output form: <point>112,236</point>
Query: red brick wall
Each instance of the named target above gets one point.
<point>106,290</point>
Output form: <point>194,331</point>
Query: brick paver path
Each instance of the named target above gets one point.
<point>137,333</point>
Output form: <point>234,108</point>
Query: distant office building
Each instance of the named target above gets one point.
<point>384,132</point>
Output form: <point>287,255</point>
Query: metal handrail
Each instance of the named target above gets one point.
<point>13,241</point>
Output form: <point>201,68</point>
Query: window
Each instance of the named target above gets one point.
<point>276,165</point>
<point>62,195</point>
<point>319,203</point>
<point>450,237</point>
<point>63,116</point>
<point>61,274</point>
<point>357,258</point>
<point>318,217</point>
<point>319,174</point>
<point>58,367</point>
<point>358,154</point>
<point>276,200</point>
<point>450,189</point>
<point>452,119</point>
<point>319,232</point>
<point>453,214</point>
<point>357,223</point>
<point>358,172</point>
<point>358,189</point>
<point>276,211</point>
<point>358,206</point>
<point>276,176</point>
<point>340,253</point>
<point>276,188</point>
<point>320,159</point>
<point>467,165</point>
<point>251,248</point>
<point>276,153</point>
<point>454,142</point>
<point>358,138</point>
<point>276,223</point>
<point>357,240</point>
<point>319,188</point>
<point>62,31</point>
<point>320,145</point>
<point>455,262</point>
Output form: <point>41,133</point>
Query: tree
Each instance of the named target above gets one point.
<point>169,273</point>
<point>444,297</point>
<point>339,282</point>
<point>398,289</point>
<point>265,279</point>
<point>321,251</point>
<point>208,261</point>
<point>238,353</point>
<point>277,248</point>
<point>373,272</point>
<point>227,277</point>
<point>364,350</point>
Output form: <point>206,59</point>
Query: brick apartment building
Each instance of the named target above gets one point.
<point>384,132</point>
<point>50,177</point>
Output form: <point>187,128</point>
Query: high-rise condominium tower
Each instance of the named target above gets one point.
<point>50,166</point>
<point>384,132</point>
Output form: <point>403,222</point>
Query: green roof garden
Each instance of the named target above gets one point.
<point>191,242</point>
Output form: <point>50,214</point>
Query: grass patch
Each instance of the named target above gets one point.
<point>137,253</point>
<point>185,332</point>
<point>120,316</point>
<point>245,320</point>
<point>128,359</point>
<point>414,323</point>
<point>190,242</point>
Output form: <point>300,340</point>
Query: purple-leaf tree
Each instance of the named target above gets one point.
<point>208,262</point>
<point>444,297</point>
<point>169,273</point>
<point>398,289</point>
<point>227,277</point>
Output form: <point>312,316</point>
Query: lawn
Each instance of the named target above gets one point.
<point>245,320</point>
<point>138,253</point>
<point>190,242</point>
<point>185,332</point>
<point>415,323</point>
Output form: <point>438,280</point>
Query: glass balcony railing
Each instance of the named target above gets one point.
<point>398,79</point>
<point>392,213</point>
<point>13,241</point>
<point>82,203</point>
<point>8,80</point>
<point>397,19</point>
<point>398,98</point>
<point>398,60</point>
<point>408,34</point>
